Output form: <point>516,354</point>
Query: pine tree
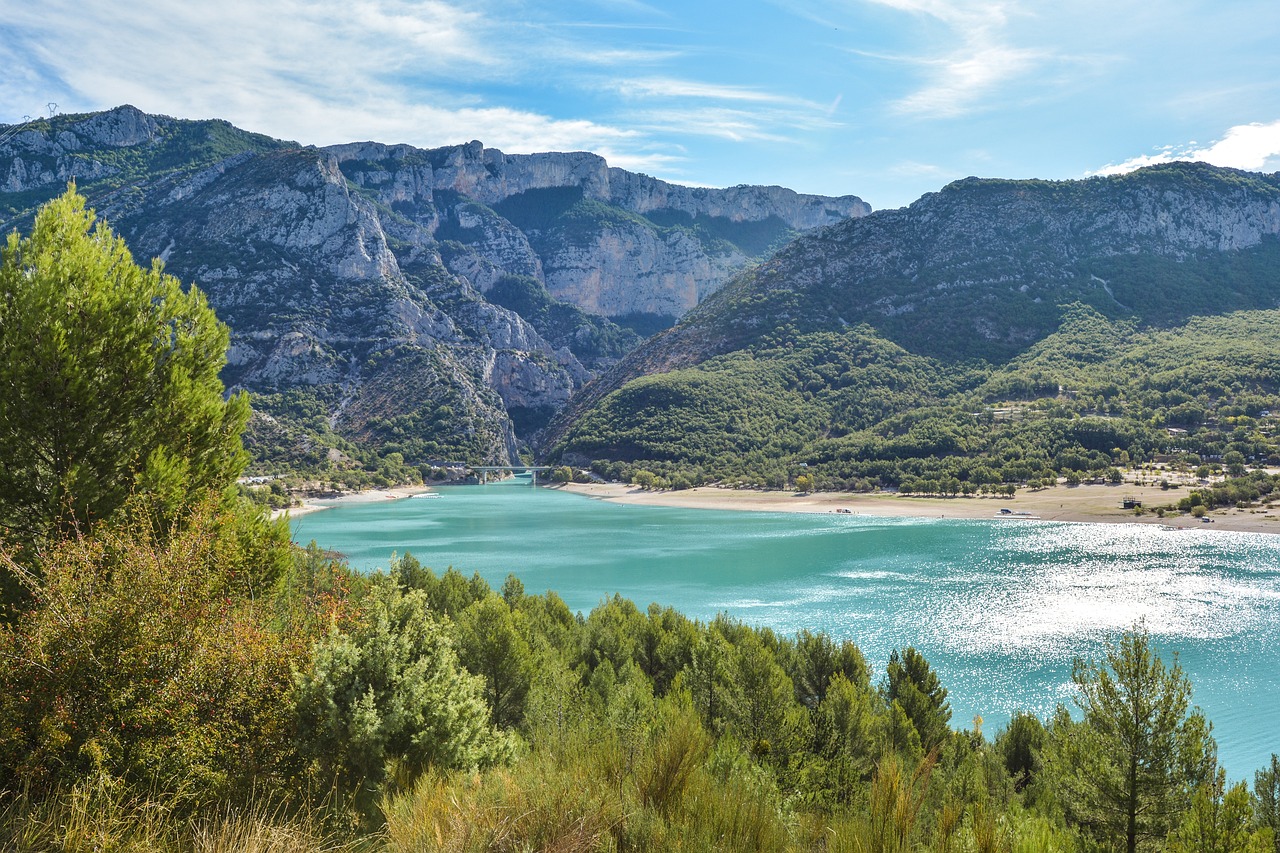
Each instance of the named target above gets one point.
<point>1127,771</point>
<point>109,383</point>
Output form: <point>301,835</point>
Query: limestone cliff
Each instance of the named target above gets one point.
<point>609,241</point>
<point>375,293</point>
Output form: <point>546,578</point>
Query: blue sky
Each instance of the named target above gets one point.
<point>885,99</point>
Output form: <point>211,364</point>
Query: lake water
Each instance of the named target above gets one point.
<point>999,608</point>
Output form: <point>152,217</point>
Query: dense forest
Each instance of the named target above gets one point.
<point>854,411</point>
<point>177,675</point>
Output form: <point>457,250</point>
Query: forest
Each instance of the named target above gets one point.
<point>178,675</point>
<point>854,411</point>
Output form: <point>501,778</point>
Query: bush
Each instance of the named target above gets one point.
<point>149,661</point>
<point>390,699</point>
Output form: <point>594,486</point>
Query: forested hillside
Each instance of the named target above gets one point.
<point>996,332</point>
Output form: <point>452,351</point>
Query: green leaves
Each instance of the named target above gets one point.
<point>109,381</point>
<point>1128,769</point>
<point>390,698</point>
<point>911,683</point>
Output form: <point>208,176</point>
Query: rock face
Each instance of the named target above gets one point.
<point>364,283</point>
<point>609,241</point>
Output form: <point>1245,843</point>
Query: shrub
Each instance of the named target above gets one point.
<point>390,698</point>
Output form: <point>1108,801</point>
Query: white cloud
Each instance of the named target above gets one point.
<point>316,72</point>
<point>982,57</point>
<point>914,169</point>
<point>1252,147</point>
<point>665,87</point>
<point>733,124</point>
<point>961,13</point>
<point>690,108</point>
<point>960,81</point>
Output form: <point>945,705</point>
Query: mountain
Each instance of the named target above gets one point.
<point>896,345</point>
<point>383,299</point>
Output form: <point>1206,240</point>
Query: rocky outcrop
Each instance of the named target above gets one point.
<point>612,259</point>
<point>665,273</point>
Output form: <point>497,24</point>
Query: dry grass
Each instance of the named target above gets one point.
<point>97,817</point>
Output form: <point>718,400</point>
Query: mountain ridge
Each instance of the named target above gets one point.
<point>357,275</point>
<point>971,277</point>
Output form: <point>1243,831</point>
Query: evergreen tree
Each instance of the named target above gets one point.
<point>913,684</point>
<point>1266,798</point>
<point>1128,769</point>
<point>109,382</point>
<point>815,659</point>
<point>1219,821</point>
<point>490,646</point>
<point>390,698</point>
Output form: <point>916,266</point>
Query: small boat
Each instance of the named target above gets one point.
<point>429,495</point>
<point>1023,514</point>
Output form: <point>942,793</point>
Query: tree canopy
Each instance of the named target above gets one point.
<point>1130,767</point>
<point>109,381</point>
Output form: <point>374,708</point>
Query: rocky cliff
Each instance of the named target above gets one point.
<point>375,293</point>
<point>609,241</point>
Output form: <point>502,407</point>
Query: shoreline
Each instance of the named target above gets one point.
<point>1091,504</point>
<point>310,505</point>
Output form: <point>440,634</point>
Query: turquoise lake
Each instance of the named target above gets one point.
<point>1000,608</point>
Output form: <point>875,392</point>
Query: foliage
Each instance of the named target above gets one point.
<point>491,646</point>
<point>1219,820</point>
<point>111,382</point>
<point>1129,768</point>
<point>912,684</point>
<point>150,660</point>
<point>851,411</point>
<point>388,700</point>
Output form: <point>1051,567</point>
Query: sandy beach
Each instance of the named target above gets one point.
<point>310,505</point>
<point>1085,503</point>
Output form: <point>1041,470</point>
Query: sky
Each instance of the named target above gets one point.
<point>883,99</point>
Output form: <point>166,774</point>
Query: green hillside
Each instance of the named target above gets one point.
<point>996,332</point>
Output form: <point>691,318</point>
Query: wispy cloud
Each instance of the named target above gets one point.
<point>976,57</point>
<point>662,87</point>
<point>735,125</point>
<point>691,108</point>
<point>1252,147</point>
<point>959,82</point>
<point>318,72</point>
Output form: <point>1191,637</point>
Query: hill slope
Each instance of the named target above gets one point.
<point>1103,307</point>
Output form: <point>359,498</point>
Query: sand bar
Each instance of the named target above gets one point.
<point>310,505</point>
<point>1085,503</point>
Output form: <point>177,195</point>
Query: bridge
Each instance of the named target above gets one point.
<point>483,471</point>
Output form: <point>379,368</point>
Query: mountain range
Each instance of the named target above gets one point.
<point>394,307</point>
<point>437,304</point>
<point>995,331</point>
